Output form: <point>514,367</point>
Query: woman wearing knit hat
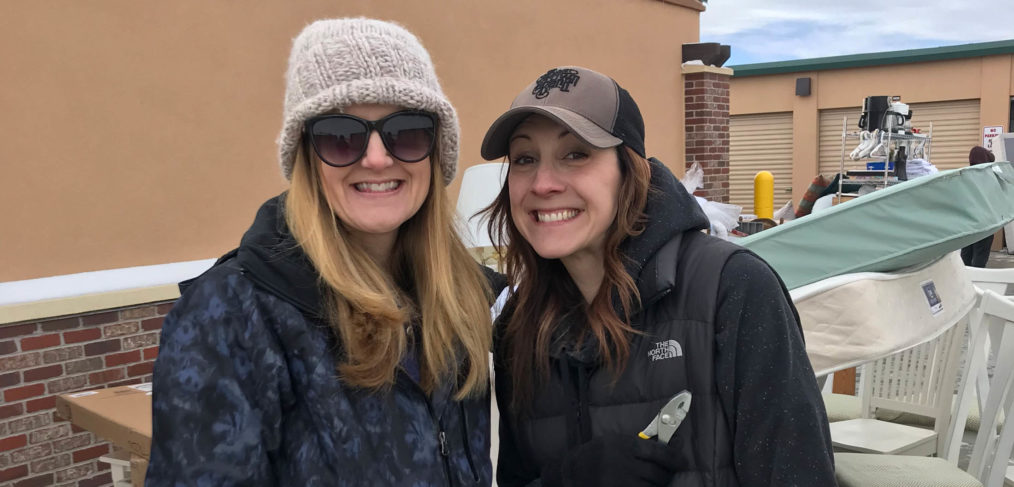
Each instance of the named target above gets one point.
<point>635,350</point>
<point>977,254</point>
<point>345,341</point>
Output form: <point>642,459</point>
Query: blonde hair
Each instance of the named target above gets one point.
<point>433,279</point>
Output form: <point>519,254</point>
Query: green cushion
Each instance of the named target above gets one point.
<point>843,406</point>
<point>870,470</point>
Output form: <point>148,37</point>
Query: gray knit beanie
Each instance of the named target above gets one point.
<point>340,62</point>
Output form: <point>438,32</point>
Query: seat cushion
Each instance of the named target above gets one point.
<point>870,470</point>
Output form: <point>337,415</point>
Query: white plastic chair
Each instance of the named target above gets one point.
<point>919,380</point>
<point>993,444</point>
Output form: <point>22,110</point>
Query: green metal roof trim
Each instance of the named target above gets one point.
<point>876,58</point>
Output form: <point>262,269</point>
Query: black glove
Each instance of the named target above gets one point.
<point>614,460</point>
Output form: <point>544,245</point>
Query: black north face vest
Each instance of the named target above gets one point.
<point>679,292</point>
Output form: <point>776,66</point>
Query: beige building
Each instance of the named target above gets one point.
<point>958,90</point>
<point>140,133</point>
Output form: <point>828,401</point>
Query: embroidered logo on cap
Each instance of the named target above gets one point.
<point>665,349</point>
<point>561,79</point>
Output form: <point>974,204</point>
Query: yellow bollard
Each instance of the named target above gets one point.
<point>764,195</point>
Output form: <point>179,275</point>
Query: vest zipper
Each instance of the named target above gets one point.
<point>441,435</point>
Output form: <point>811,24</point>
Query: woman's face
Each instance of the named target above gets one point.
<point>378,193</point>
<point>563,192</point>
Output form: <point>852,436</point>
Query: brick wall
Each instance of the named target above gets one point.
<point>707,131</point>
<point>40,360</point>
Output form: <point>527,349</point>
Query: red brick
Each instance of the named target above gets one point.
<point>12,442</point>
<point>150,353</point>
<point>50,463</point>
<point>130,357</point>
<point>143,368</point>
<point>18,330</point>
<point>40,404</point>
<point>102,466</point>
<point>140,341</point>
<point>24,392</point>
<point>75,429</point>
<point>42,373</point>
<point>40,481</point>
<point>14,473</point>
<point>50,433</point>
<point>67,384</point>
<point>29,423</point>
<point>72,443</point>
<point>8,347</point>
<point>98,378</point>
<point>19,362</point>
<point>62,354</point>
<point>60,324</point>
<point>82,366</point>
<point>96,481</point>
<point>135,313</point>
<point>102,348</point>
<point>28,454</point>
<point>91,452</point>
<point>79,336</point>
<point>44,341</point>
<point>121,329</point>
<point>7,380</point>
<point>163,309</point>
<point>152,324</point>
<point>100,318</point>
<point>11,410</point>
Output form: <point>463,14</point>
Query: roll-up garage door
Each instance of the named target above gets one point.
<point>829,146</point>
<point>760,142</point>
<point>955,131</point>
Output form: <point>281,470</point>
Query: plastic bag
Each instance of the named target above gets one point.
<point>722,216</point>
<point>785,213</point>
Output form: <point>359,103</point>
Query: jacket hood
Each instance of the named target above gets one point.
<point>271,258</point>
<point>670,211</point>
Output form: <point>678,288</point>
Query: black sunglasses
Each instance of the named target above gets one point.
<point>340,140</point>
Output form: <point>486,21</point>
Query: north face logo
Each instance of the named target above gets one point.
<point>665,349</point>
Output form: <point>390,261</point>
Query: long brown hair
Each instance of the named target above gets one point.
<point>434,280</point>
<point>545,292</point>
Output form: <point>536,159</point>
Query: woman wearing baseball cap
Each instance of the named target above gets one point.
<point>346,340</point>
<point>620,303</point>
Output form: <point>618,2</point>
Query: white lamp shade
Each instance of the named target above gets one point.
<point>479,186</point>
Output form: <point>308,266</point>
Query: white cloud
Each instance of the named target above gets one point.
<point>792,29</point>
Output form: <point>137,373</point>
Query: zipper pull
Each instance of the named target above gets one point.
<point>443,443</point>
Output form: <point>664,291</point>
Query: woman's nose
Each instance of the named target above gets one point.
<point>376,155</point>
<point>547,180</point>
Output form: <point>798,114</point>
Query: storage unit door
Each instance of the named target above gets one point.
<point>829,146</point>
<point>760,142</point>
<point>955,130</point>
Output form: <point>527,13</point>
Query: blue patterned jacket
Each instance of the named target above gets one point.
<point>245,389</point>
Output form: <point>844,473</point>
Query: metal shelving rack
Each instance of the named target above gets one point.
<point>888,139</point>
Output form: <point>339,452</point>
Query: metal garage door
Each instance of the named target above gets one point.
<point>761,142</point>
<point>955,131</point>
<point>829,146</point>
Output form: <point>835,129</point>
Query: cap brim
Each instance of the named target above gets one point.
<point>495,144</point>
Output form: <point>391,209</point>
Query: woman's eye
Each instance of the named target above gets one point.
<point>576,155</point>
<point>522,160</point>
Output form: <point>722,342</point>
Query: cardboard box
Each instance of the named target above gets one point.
<point>121,415</point>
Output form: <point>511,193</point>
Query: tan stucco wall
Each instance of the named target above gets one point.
<point>141,133</point>
<point>990,79</point>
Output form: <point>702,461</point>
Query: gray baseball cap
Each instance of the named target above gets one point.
<point>592,105</point>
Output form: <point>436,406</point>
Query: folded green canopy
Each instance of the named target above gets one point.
<point>907,224</point>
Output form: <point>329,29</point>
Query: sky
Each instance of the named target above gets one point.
<point>782,30</point>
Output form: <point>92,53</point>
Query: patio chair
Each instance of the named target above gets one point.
<point>993,443</point>
<point>919,380</point>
